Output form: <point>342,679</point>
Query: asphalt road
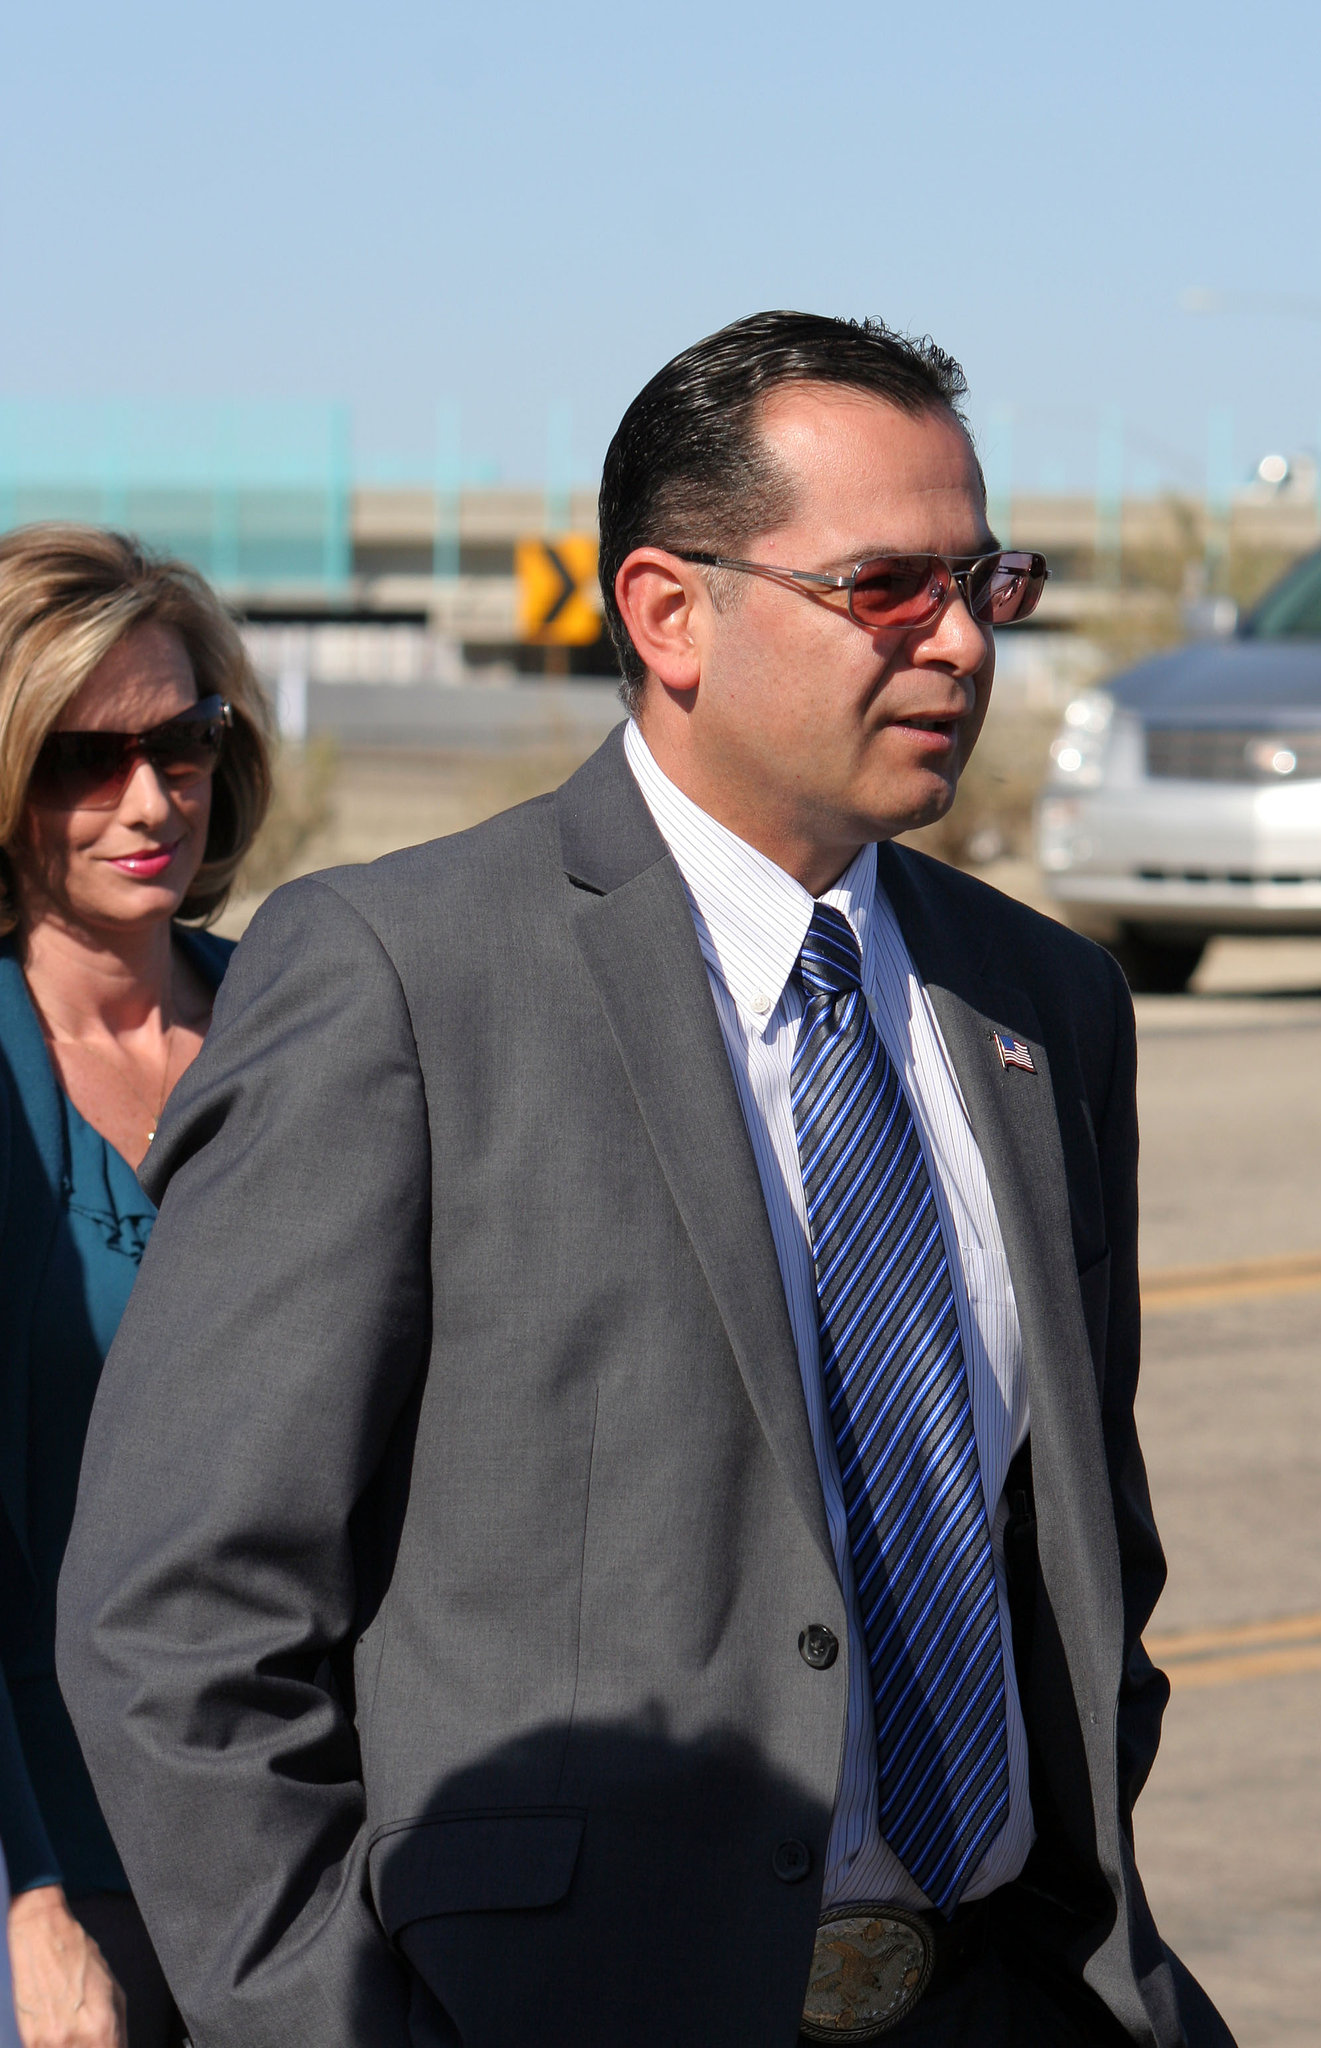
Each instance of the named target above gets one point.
<point>1229,1828</point>
<point>496,715</point>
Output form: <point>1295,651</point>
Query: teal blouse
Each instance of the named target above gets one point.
<point>93,1223</point>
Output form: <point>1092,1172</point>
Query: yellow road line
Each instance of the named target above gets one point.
<point>1291,1628</point>
<point>1228,1656</point>
<point>1197,1286</point>
<point>1205,1671</point>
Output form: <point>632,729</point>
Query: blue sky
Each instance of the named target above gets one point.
<point>517,207</point>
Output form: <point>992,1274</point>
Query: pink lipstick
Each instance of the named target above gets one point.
<point>152,861</point>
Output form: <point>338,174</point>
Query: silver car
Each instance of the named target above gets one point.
<point>1184,798</point>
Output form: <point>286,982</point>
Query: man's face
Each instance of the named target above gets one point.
<point>821,733</point>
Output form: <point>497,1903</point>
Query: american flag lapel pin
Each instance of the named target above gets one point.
<point>1013,1052</point>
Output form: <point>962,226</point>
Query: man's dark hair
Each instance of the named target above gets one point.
<point>688,469</point>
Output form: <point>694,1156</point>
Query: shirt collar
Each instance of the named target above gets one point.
<point>751,916</point>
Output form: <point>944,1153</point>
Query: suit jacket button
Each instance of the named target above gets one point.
<point>818,1646</point>
<point>791,1861</point>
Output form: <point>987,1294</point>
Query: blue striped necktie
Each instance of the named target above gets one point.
<point>897,1398</point>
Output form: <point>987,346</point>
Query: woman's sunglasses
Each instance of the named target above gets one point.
<point>901,591</point>
<point>89,771</point>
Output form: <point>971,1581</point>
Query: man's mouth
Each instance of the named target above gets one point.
<point>939,728</point>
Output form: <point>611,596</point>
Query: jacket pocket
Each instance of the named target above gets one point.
<point>482,1862</point>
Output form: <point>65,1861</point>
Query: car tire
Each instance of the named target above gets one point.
<point>1157,966</point>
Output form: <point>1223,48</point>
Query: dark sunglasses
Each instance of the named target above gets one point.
<point>899,591</point>
<point>89,771</point>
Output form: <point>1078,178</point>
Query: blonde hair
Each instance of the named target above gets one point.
<point>67,595</point>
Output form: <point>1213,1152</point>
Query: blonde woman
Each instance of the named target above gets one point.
<point>134,772</point>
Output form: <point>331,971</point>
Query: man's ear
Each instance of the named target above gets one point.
<point>662,602</point>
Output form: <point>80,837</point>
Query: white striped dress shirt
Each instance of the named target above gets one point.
<point>751,920</point>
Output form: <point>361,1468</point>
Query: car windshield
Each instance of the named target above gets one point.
<point>1292,610</point>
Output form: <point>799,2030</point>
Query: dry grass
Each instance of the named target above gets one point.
<point>301,810</point>
<point>991,818</point>
<point>337,805</point>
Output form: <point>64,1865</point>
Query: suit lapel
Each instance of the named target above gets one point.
<point>635,930</point>
<point>1016,1126</point>
<point>632,921</point>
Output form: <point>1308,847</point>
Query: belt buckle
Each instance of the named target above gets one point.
<point>871,1964</point>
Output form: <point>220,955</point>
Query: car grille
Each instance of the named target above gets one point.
<point>1227,878</point>
<point>1214,754</point>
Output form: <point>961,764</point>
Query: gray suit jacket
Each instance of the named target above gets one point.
<point>449,1515</point>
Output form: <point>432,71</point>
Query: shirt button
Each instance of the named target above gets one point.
<point>791,1861</point>
<point>818,1646</point>
<point>762,1003</point>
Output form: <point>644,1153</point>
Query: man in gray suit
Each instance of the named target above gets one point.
<point>614,1518</point>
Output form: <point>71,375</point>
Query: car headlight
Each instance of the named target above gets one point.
<point>1060,841</point>
<point>1077,753</point>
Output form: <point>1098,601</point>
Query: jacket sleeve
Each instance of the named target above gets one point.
<point>28,1852</point>
<point>1143,1689</point>
<point>216,1570</point>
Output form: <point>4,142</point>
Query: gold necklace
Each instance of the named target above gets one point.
<point>82,1045</point>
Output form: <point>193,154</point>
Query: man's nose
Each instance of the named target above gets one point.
<point>955,638</point>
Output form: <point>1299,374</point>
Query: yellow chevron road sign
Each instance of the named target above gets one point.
<point>559,604</point>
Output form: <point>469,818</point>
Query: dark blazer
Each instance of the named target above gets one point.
<point>431,1616</point>
<point>33,1180</point>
